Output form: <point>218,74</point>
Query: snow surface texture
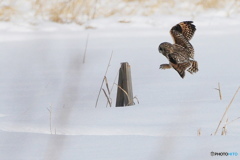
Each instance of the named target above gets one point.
<point>48,95</point>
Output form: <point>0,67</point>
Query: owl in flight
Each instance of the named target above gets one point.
<point>181,53</point>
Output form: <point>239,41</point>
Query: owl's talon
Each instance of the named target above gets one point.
<point>165,66</point>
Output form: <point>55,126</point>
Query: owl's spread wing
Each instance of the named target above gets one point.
<point>186,28</point>
<point>182,33</point>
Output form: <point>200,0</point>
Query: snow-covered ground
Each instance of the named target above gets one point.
<point>42,72</point>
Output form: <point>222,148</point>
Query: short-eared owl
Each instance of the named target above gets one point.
<point>181,53</point>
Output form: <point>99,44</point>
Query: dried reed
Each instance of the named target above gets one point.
<point>219,91</point>
<point>103,80</point>
<point>124,92</point>
<point>224,129</point>
<point>199,132</point>
<point>136,99</point>
<point>85,51</point>
<point>226,110</point>
<point>112,87</point>
<point>50,118</point>
<point>109,100</point>
<point>106,82</point>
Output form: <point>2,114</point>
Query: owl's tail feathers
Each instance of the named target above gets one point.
<point>194,67</point>
<point>181,67</point>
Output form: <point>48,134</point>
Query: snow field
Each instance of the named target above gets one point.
<point>41,68</point>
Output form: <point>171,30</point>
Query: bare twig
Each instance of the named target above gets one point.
<point>231,121</point>
<point>219,91</point>
<point>85,51</point>
<point>50,118</point>
<point>103,80</point>
<point>226,111</point>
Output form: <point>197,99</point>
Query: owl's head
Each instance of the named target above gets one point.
<point>165,48</point>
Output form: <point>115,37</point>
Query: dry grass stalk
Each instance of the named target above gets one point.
<point>136,99</point>
<point>226,110</point>
<point>108,98</point>
<point>94,10</point>
<point>109,92</point>
<point>50,118</point>
<point>112,87</point>
<point>103,80</point>
<point>227,123</point>
<point>219,91</point>
<point>124,92</point>
<point>224,129</point>
<point>199,132</point>
<point>85,51</point>
<point>106,82</point>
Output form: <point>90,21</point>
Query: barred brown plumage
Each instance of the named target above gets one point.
<point>181,53</point>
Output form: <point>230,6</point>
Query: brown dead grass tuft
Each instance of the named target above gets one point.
<point>7,13</point>
<point>68,11</point>
<point>208,4</point>
<point>82,11</point>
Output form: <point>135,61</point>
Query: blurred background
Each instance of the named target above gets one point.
<point>83,11</point>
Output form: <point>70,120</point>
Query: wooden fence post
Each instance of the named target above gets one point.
<point>124,92</point>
